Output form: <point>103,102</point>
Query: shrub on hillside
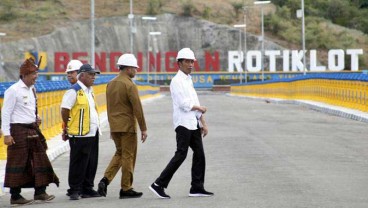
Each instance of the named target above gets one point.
<point>154,7</point>
<point>351,14</point>
<point>188,8</point>
<point>238,8</point>
<point>206,14</point>
<point>7,12</point>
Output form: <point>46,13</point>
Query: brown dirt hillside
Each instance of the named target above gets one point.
<point>30,18</point>
<point>22,19</point>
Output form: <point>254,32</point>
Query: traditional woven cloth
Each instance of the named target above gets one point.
<point>27,164</point>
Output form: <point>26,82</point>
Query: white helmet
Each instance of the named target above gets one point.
<point>127,60</point>
<point>73,65</point>
<point>185,53</point>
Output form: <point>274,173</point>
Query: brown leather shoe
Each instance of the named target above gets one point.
<point>20,201</point>
<point>44,197</point>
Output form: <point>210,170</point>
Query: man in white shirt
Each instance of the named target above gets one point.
<point>190,126</point>
<point>71,74</point>
<point>27,162</point>
<point>80,115</point>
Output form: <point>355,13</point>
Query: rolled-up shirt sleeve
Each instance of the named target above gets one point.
<point>69,99</point>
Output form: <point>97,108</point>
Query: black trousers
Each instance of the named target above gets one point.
<point>186,138</point>
<point>15,192</point>
<point>83,163</point>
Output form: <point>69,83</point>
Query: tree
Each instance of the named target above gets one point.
<point>188,8</point>
<point>154,7</point>
<point>238,7</point>
<point>338,12</point>
<point>6,10</point>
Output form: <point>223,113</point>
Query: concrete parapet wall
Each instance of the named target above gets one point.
<point>221,88</point>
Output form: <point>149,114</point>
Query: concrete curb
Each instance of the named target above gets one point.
<point>318,106</point>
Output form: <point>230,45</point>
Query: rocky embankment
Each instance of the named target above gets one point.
<point>113,34</point>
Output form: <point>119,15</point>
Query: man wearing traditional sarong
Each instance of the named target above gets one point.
<point>27,163</point>
<point>79,113</point>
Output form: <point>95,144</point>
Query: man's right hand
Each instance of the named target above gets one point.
<point>8,140</point>
<point>64,135</point>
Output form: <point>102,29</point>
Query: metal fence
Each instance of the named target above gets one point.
<point>50,94</point>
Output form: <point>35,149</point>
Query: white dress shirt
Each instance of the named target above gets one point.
<point>19,106</point>
<point>69,100</point>
<point>184,98</point>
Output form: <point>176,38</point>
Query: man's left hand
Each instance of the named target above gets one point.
<point>143,136</point>
<point>204,131</point>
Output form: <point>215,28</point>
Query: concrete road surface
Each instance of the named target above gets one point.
<point>259,155</point>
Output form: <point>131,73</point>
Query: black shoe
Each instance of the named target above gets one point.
<point>74,196</point>
<point>102,187</point>
<point>159,191</point>
<point>70,191</point>
<point>195,192</point>
<point>130,194</point>
<point>90,193</point>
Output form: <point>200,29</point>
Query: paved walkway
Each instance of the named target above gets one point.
<point>259,154</point>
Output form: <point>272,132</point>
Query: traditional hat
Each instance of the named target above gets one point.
<point>28,67</point>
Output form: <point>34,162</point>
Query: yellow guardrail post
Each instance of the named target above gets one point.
<point>365,96</point>
<point>49,110</point>
<point>55,112</point>
<point>48,114</point>
<point>3,147</point>
<point>351,94</point>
